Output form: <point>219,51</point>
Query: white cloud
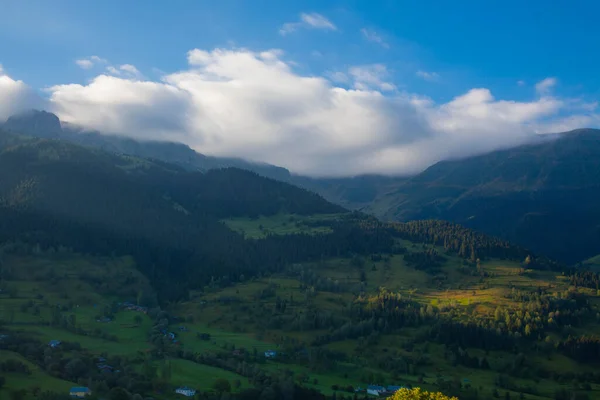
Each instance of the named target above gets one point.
<point>144,110</point>
<point>85,64</point>
<point>544,87</point>
<point>113,70</point>
<point>521,83</point>
<point>90,62</point>
<point>308,21</point>
<point>569,123</point>
<point>369,77</point>
<point>428,76</point>
<point>254,105</point>
<point>125,70</point>
<point>130,69</point>
<point>372,36</point>
<point>16,96</point>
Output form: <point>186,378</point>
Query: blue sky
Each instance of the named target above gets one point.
<point>479,43</point>
<point>433,50</point>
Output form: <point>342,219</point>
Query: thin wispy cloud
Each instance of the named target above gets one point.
<point>308,21</point>
<point>371,77</point>
<point>521,83</point>
<point>372,36</point>
<point>90,62</point>
<point>428,76</point>
<point>544,87</point>
<point>125,70</point>
<point>338,77</point>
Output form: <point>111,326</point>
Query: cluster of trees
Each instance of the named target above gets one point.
<point>428,260</point>
<point>467,243</point>
<point>12,365</point>
<point>588,279</point>
<point>583,348</point>
<point>309,276</point>
<point>419,394</point>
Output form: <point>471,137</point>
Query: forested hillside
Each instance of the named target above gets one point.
<point>542,196</point>
<point>55,193</point>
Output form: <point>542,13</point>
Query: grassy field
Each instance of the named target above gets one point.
<point>67,287</point>
<point>78,285</point>
<point>37,378</point>
<point>187,373</point>
<point>283,224</point>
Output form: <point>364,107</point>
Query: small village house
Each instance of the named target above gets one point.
<point>80,391</point>
<point>186,391</point>
<point>270,354</point>
<point>376,390</point>
<point>105,367</point>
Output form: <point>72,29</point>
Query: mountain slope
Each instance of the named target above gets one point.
<point>353,192</point>
<point>55,193</point>
<point>543,196</point>
<point>43,124</point>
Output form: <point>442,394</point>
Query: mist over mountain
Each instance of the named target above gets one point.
<point>541,195</point>
<point>353,192</point>
<point>47,125</point>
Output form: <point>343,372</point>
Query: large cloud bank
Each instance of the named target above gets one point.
<point>235,102</point>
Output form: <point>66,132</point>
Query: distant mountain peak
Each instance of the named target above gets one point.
<point>35,123</point>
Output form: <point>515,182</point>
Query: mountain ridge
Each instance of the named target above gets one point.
<point>522,194</point>
<point>44,124</point>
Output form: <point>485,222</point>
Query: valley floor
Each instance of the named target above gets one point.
<point>223,332</point>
